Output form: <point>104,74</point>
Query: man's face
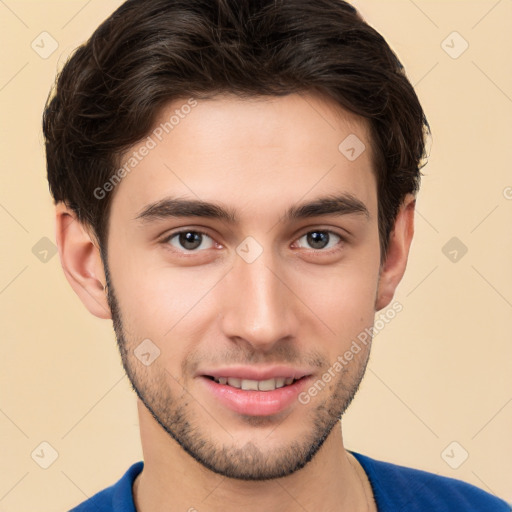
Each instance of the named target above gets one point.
<point>266,296</point>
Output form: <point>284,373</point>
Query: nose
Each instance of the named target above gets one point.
<point>258,305</point>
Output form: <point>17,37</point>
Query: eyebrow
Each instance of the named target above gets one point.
<point>169,207</point>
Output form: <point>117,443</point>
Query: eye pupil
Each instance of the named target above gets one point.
<point>188,238</point>
<point>192,240</point>
<point>318,239</point>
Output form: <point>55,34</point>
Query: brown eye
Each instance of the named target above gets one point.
<point>321,239</point>
<point>188,240</point>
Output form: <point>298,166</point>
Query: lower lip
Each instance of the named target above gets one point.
<point>256,403</point>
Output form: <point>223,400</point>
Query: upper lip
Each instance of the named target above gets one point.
<point>255,372</point>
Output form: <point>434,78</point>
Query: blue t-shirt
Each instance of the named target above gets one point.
<point>396,489</point>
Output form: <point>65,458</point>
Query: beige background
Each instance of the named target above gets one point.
<point>440,371</point>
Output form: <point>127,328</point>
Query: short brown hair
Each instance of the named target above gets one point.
<point>149,52</point>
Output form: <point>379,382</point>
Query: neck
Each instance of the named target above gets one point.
<point>173,481</point>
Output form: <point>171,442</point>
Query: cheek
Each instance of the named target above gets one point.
<point>343,296</point>
<point>345,305</point>
<point>159,301</point>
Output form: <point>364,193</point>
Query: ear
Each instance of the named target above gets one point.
<point>81,261</point>
<point>393,268</point>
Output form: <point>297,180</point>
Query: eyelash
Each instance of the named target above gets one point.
<point>332,250</point>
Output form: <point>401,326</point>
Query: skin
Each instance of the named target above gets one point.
<point>295,304</point>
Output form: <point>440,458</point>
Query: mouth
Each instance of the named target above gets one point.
<point>255,385</point>
<point>264,396</point>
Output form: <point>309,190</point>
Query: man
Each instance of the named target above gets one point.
<point>235,187</point>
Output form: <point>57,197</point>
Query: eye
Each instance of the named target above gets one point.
<point>321,239</point>
<point>189,240</point>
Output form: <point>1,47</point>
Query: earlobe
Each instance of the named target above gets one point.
<point>81,261</point>
<point>393,267</point>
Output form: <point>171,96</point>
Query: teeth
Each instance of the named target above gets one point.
<point>236,383</point>
<point>255,385</point>
<point>250,384</point>
<point>267,385</point>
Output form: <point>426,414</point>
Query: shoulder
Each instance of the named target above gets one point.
<point>116,498</point>
<point>400,488</point>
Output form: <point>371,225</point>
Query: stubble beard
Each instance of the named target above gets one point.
<point>175,414</point>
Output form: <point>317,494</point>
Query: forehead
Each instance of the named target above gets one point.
<point>249,153</point>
